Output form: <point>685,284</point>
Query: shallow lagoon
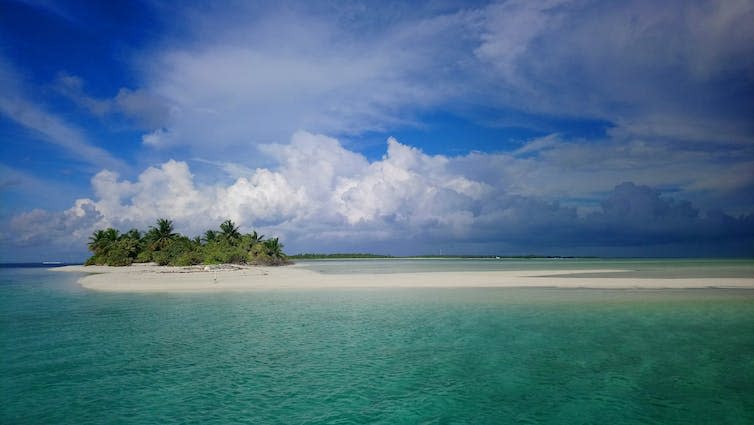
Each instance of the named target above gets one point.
<point>498,355</point>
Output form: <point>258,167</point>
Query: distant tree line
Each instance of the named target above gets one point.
<point>316,256</point>
<point>313,256</point>
<point>160,244</point>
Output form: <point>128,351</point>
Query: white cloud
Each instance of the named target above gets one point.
<point>660,70</point>
<point>667,78</point>
<point>16,105</point>
<point>540,144</point>
<point>39,227</point>
<point>72,87</point>
<point>510,28</point>
<point>241,96</point>
<point>253,75</point>
<point>322,195</point>
<point>148,111</point>
<point>264,197</point>
<point>53,129</point>
<point>158,138</point>
<point>255,81</point>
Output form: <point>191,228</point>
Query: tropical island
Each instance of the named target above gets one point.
<point>162,245</point>
<point>162,260</point>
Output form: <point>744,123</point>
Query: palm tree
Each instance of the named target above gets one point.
<point>161,235</point>
<point>274,248</point>
<point>132,234</point>
<point>256,238</point>
<point>101,240</point>
<point>230,231</point>
<point>111,235</point>
<point>96,241</point>
<point>274,253</point>
<point>164,246</point>
<point>210,236</point>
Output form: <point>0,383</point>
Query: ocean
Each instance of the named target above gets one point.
<point>383,356</point>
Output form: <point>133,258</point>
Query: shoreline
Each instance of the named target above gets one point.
<point>153,278</point>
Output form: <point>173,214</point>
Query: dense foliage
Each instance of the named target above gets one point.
<point>160,244</point>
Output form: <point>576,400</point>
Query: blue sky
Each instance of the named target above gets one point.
<point>512,127</point>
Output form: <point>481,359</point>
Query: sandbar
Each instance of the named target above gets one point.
<point>153,278</point>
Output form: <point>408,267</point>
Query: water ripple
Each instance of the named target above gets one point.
<point>384,357</point>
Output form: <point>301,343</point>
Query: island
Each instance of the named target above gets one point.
<point>162,245</point>
<point>162,260</point>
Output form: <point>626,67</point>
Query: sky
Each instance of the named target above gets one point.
<point>548,127</point>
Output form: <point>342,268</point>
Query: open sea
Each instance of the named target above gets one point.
<point>382,356</point>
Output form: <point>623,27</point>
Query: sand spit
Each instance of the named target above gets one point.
<point>152,278</point>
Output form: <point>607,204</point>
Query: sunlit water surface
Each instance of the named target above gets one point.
<point>476,356</point>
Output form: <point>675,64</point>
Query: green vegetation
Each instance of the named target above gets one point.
<point>163,246</point>
<point>309,256</point>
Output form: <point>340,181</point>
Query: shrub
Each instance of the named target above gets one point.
<point>162,258</point>
<point>143,257</point>
<point>190,258</point>
<point>220,252</point>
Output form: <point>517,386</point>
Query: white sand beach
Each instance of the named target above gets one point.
<point>152,278</point>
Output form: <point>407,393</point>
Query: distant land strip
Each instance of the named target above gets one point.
<point>315,256</point>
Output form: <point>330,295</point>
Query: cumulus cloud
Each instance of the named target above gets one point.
<point>669,81</point>
<point>39,227</point>
<point>320,194</point>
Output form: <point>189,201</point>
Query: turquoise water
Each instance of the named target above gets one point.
<point>476,356</point>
